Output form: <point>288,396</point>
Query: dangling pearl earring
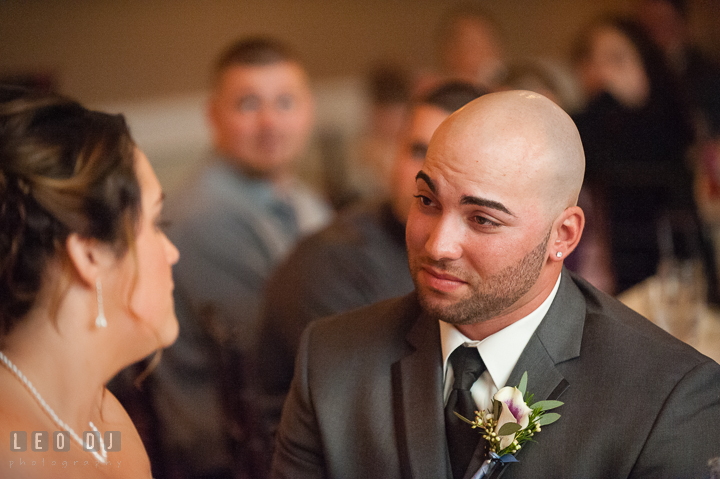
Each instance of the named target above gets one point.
<point>559,254</point>
<point>100,321</point>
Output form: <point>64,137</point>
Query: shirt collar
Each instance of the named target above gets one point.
<point>500,351</point>
<point>261,192</point>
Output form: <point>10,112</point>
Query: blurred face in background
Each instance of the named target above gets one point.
<point>423,121</point>
<point>262,116</point>
<point>472,51</point>
<point>614,65</point>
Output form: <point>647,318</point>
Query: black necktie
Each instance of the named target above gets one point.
<point>462,439</point>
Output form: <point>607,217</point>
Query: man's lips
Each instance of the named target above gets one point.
<point>440,281</point>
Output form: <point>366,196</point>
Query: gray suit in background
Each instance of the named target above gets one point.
<point>366,400</point>
<point>358,260</point>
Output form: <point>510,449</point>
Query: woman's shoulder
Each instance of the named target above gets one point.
<point>127,456</point>
<point>18,411</point>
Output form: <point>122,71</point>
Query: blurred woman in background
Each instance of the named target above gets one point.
<point>637,131</point>
<point>85,286</point>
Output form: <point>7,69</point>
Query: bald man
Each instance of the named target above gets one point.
<point>494,217</point>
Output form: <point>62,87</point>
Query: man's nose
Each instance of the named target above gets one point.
<point>445,240</point>
<point>269,117</point>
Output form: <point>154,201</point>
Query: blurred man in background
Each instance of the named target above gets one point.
<point>233,222</point>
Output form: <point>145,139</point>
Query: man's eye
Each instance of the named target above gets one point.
<point>481,220</point>
<point>248,103</point>
<point>424,200</point>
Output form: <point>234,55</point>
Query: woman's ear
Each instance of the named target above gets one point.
<point>568,230</point>
<point>86,256</point>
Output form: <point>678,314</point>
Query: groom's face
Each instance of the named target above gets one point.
<point>476,234</point>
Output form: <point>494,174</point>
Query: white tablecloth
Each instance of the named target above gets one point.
<point>707,339</point>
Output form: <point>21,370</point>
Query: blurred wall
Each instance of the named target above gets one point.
<point>108,50</point>
<point>150,58</point>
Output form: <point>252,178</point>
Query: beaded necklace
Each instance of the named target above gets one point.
<point>101,456</point>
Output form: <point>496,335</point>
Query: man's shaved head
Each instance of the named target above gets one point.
<point>528,137</point>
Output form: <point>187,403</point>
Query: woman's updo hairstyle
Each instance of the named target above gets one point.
<point>63,169</point>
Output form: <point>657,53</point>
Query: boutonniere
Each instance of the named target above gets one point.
<point>512,421</point>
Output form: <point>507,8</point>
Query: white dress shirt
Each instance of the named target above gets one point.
<point>500,352</point>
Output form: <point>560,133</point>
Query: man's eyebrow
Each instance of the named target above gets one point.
<point>423,176</point>
<point>474,200</point>
<point>466,200</point>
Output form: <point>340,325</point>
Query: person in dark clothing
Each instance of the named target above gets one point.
<point>636,131</point>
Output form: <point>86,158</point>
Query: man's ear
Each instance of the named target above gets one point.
<point>567,231</point>
<point>86,256</point>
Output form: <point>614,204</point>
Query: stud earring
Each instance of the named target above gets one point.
<point>559,254</point>
<point>100,321</point>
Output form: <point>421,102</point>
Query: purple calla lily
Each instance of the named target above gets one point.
<point>514,410</point>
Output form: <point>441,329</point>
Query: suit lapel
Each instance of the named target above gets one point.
<point>418,404</point>
<point>557,339</point>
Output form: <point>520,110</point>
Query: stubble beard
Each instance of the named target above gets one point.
<point>488,299</point>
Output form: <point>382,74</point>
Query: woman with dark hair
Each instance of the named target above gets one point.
<point>85,286</point>
<point>636,130</point>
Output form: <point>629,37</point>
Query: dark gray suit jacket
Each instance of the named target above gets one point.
<point>366,398</point>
